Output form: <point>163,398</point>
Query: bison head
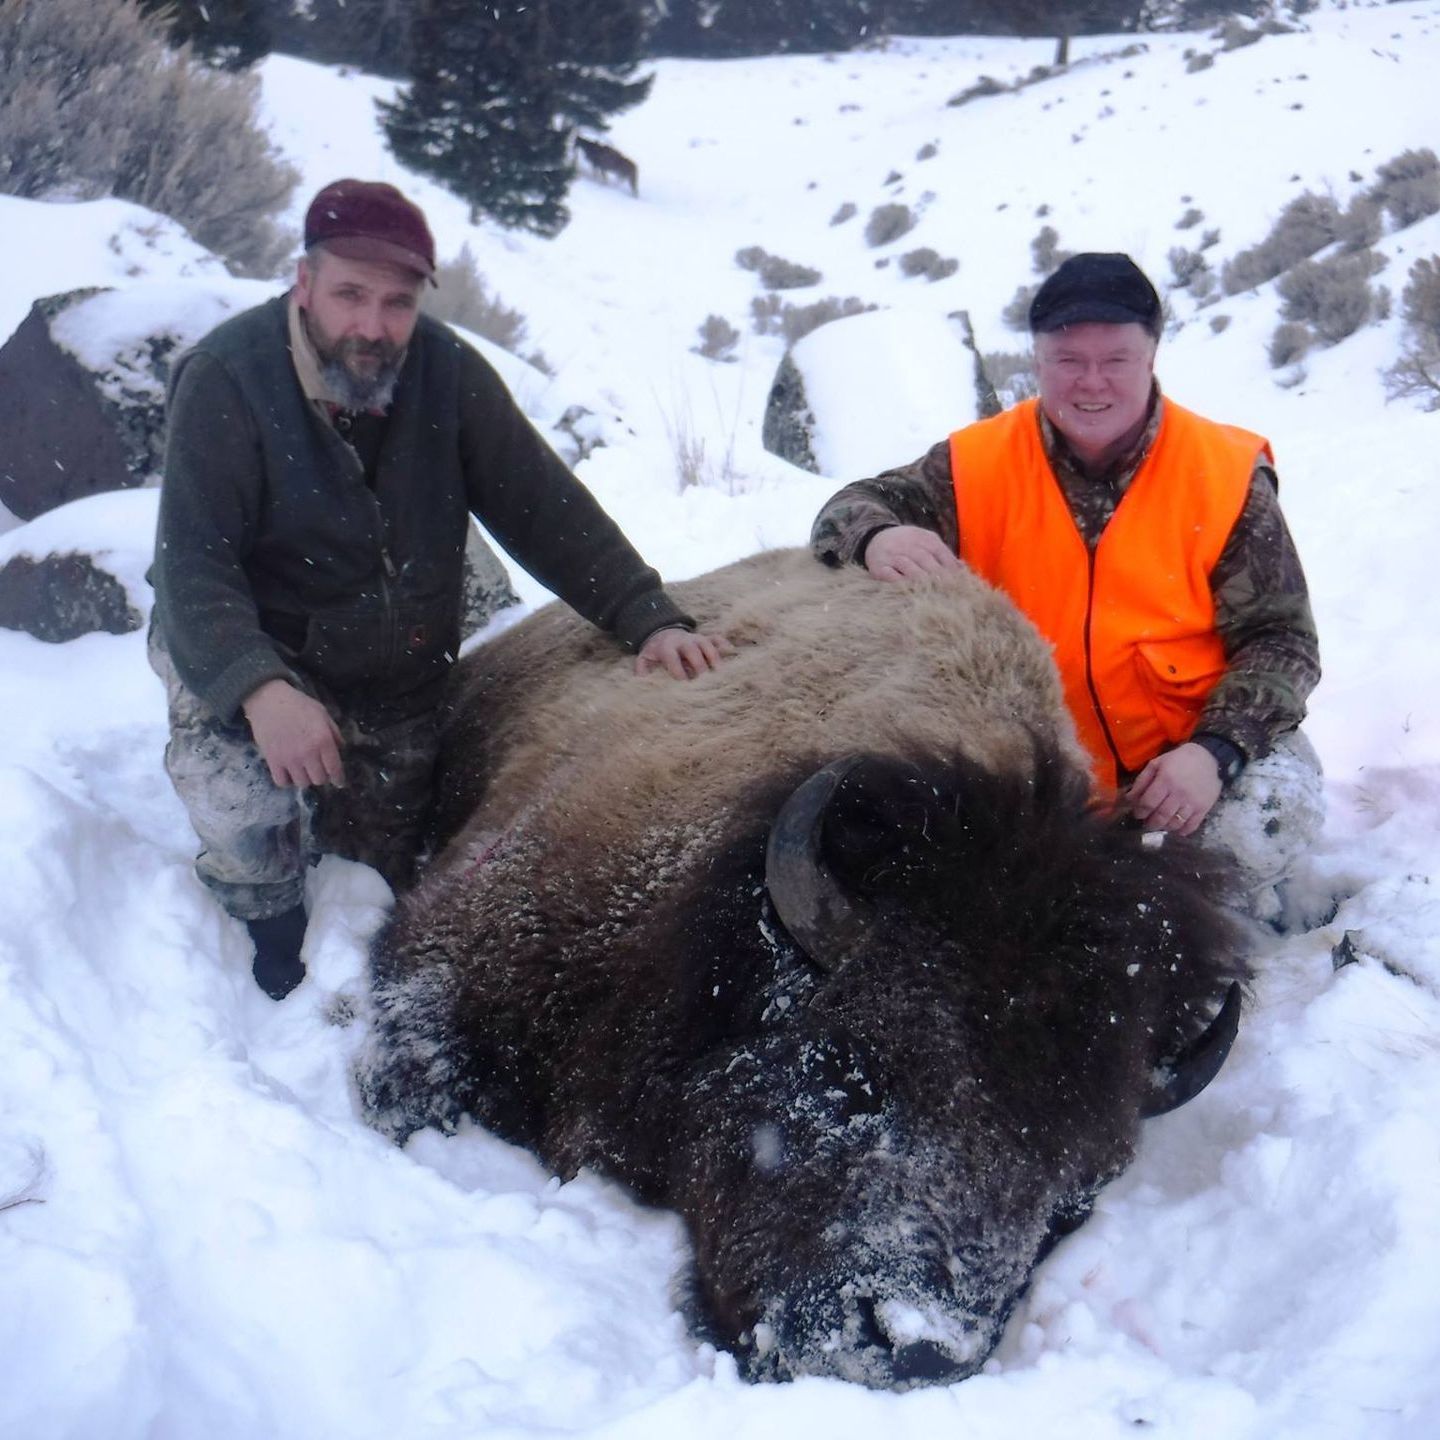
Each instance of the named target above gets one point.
<point>977,987</point>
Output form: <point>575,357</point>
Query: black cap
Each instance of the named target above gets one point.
<point>1109,289</point>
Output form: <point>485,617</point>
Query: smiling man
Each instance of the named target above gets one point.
<point>1147,544</point>
<point>325,454</point>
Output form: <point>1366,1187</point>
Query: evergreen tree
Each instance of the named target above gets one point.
<point>498,89</point>
<point>228,34</point>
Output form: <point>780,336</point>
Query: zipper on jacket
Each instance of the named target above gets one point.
<point>1089,671</point>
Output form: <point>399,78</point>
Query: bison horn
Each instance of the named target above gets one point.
<point>808,899</point>
<point>1180,1080</point>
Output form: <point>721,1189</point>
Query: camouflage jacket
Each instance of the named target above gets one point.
<point>1262,607</point>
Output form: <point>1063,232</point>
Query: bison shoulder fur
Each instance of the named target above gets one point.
<point>830,951</point>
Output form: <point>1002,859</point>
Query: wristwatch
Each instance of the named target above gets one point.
<point>1229,757</point>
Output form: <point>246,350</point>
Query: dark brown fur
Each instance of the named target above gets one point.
<point>872,1154</point>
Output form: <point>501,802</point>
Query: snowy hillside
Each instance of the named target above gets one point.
<point>202,1238</point>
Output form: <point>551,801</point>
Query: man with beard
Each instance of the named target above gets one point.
<point>325,453</point>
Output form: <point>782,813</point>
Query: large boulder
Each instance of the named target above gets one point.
<point>917,375</point>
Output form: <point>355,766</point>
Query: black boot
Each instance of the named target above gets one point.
<point>278,968</point>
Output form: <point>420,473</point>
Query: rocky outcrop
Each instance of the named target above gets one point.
<point>61,597</point>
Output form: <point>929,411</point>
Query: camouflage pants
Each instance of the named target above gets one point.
<point>1268,819</point>
<point>258,838</point>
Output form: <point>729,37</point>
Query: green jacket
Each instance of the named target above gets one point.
<point>274,556</point>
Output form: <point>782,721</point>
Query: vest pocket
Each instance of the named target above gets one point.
<point>1177,676</point>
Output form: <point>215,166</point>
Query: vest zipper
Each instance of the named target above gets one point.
<point>1089,671</point>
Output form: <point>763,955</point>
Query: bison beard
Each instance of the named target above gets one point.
<point>880,1081</point>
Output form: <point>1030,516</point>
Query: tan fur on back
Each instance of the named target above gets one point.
<point>829,662</point>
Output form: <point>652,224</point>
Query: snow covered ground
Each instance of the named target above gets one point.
<point>206,1241</point>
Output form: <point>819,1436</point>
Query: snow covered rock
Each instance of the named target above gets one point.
<point>922,380</point>
<point>84,376</point>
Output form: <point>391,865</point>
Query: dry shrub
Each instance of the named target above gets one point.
<point>462,298</point>
<point>887,223</point>
<point>1186,265</point>
<point>93,102</point>
<point>1334,296</point>
<point>929,263</point>
<point>773,316</point>
<point>1016,313</point>
<point>775,272</point>
<point>1045,252</point>
<point>1307,224</point>
<point>1408,186</point>
<point>1416,374</point>
<point>718,339</point>
<point>1290,342</point>
<point>1420,300</point>
<point>1361,223</point>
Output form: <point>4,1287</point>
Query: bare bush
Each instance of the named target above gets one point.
<point>718,339</point>
<point>929,263</point>
<point>844,213</point>
<point>93,102</point>
<point>1361,223</point>
<point>773,316</point>
<point>888,222</point>
<point>462,298</point>
<point>1185,265</point>
<point>1416,375</point>
<point>1016,313</point>
<point>1290,342</point>
<point>1334,296</point>
<point>775,272</point>
<point>1307,224</point>
<point>1420,299</point>
<point>1045,252</point>
<point>1408,186</point>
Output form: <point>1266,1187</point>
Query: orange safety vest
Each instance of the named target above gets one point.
<point>1133,623</point>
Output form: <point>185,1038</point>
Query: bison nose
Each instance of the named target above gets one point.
<point>925,1363</point>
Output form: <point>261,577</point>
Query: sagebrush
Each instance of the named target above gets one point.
<point>1333,296</point>
<point>773,316</point>
<point>462,298</point>
<point>775,272</point>
<point>888,222</point>
<point>94,102</point>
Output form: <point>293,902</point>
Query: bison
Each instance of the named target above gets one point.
<point>832,951</point>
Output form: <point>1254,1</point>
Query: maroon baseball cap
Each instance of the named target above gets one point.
<point>369,220</point>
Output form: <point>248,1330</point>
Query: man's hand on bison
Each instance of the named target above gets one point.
<point>901,552</point>
<point>297,737</point>
<point>681,653</point>
<point>1176,790</point>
